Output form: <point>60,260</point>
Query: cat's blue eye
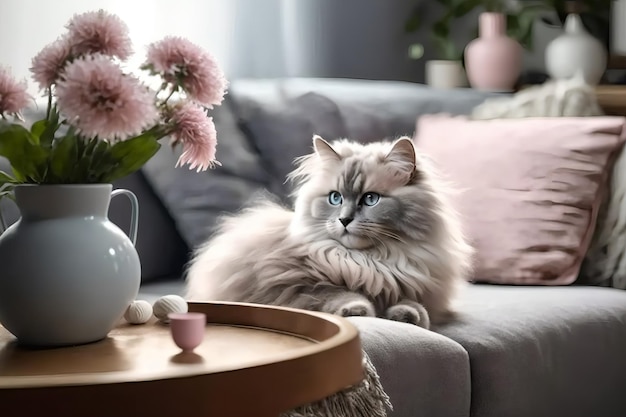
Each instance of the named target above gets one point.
<point>335,198</point>
<point>370,199</point>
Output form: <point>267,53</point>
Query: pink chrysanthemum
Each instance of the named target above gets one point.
<point>195,131</point>
<point>185,64</point>
<point>13,95</point>
<point>48,63</point>
<point>100,100</point>
<point>99,32</point>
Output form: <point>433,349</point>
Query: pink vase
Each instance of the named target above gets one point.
<point>493,61</point>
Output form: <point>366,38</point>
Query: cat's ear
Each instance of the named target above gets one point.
<point>401,158</point>
<point>402,154</point>
<point>324,150</point>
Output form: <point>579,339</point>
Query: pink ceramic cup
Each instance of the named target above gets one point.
<point>187,329</point>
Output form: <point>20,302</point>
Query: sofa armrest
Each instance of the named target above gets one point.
<point>424,373</point>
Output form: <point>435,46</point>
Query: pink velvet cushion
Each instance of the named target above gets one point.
<point>530,189</point>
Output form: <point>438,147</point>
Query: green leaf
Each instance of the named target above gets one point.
<point>82,168</point>
<point>8,193</point>
<point>63,159</point>
<point>441,29</point>
<point>43,131</point>
<point>52,125</point>
<point>463,7</point>
<point>27,159</point>
<point>102,161</point>
<point>38,128</point>
<point>520,25</point>
<point>414,21</point>
<point>131,155</point>
<point>6,179</point>
<point>7,183</point>
<point>447,49</point>
<point>18,175</point>
<point>416,51</point>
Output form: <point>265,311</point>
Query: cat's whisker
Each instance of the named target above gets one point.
<point>383,244</point>
<point>381,231</point>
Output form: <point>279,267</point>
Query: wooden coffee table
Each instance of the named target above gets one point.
<point>255,361</point>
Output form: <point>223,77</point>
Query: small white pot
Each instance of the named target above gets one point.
<point>445,74</point>
<point>576,51</point>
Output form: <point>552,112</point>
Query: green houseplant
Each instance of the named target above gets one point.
<point>520,18</point>
<point>446,71</point>
<point>595,15</point>
<point>440,28</point>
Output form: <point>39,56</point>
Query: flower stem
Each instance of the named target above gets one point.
<point>174,89</point>
<point>49,109</point>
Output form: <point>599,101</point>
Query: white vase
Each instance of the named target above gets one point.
<point>576,51</point>
<point>618,28</point>
<point>68,273</point>
<point>445,74</point>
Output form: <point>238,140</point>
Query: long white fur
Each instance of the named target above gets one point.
<point>268,254</point>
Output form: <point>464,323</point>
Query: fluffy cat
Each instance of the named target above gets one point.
<point>371,234</point>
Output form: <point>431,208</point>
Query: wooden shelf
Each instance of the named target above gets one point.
<point>612,99</point>
<point>617,62</point>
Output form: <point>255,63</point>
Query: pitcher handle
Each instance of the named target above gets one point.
<point>3,224</point>
<point>134,214</point>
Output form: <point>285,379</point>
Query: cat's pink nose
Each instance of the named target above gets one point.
<point>345,221</point>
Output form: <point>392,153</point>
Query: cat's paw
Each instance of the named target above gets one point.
<point>356,308</point>
<point>416,315</point>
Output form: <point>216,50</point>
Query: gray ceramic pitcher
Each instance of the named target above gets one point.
<point>67,273</point>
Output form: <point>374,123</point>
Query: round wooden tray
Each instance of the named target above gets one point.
<point>254,361</point>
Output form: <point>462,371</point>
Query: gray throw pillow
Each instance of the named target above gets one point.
<point>195,200</point>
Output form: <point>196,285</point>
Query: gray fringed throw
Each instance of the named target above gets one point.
<point>366,399</point>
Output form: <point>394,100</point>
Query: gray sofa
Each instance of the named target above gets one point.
<point>514,352</point>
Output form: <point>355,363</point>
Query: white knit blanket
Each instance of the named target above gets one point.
<point>605,263</point>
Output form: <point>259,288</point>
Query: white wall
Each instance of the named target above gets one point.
<point>28,25</point>
<point>254,38</point>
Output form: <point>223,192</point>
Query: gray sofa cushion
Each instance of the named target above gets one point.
<point>152,291</point>
<point>544,351</point>
<point>161,249</point>
<point>196,199</point>
<point>424,373</point>
<point>281,116</point>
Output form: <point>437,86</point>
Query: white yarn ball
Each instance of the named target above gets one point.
<point>169,304</point>
<point>138,312</point>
